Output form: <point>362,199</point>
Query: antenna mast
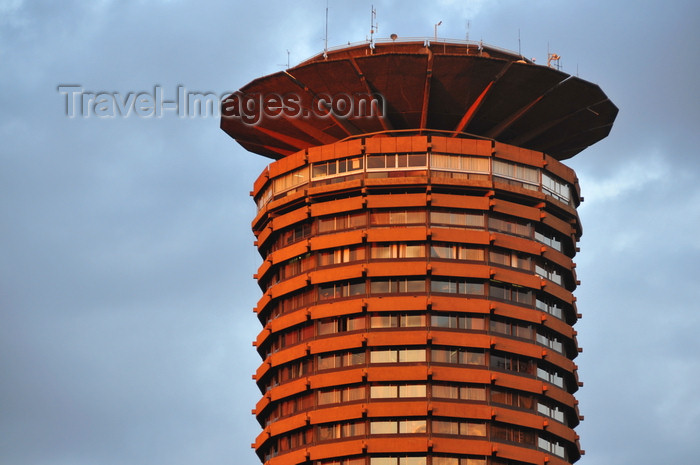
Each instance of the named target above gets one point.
<point>325,45</point>
<point>372,26</point>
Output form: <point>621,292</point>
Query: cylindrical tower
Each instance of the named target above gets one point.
<point>417,270</point>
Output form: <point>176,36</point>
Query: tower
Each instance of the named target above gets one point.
<point>417,231</point>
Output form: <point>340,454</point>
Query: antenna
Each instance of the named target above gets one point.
<point>325,46</point>
<point>519,51</point>
<point>372,27</point>
<point>287,60</point>
<point>553,57</point>
<point>468,26</point>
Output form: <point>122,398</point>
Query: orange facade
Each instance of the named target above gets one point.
<point>417,303</point>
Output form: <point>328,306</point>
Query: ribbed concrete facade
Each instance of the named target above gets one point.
<point>417,302</point>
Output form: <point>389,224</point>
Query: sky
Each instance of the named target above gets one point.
<point>127,258</point>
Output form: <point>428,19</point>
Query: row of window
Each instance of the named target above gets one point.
<point>511,293</point>
<point>524,176</point>
<point>417,217</point>
<point>395,355</point>
<point>412,390</point>
<point>430,426</point>
<point>349,323</point>
<point>419,460</point>
<point>409,250</point>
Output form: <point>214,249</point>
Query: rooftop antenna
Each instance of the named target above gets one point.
<point>519,50</point>
<point>436,26</point>
<point>468,26</point>
<point>325,47</point>
<point>325,44</point>
<point>372,27</point>
<point>553,58</point>
<point>287,60</point>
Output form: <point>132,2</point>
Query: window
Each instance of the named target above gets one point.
<point>340,324</point>
<point>548,271</point>
<point>339,359</point>
<point>551,446</point>
<point>458,428</point>
<point>291,180</point>
<point>338,395</point>
<point>403,426</point>
<point>456,286</point>
<point>510,328</point>
<point>336,167</point>
<point>547,305</point>
<point>398,250</point>
<point>397,285</point>
<point>396,161</point>
<point>397,355</point>
<point>458,356</point>
<point>459,163</point>
<point>510,292</point>
<point>392,320</point>
<point>397,461</point>
<point>516,171</point>
<point>511,363</point>
<point>457,218</point>
<point>556,188</point>
<point>397,391</point>
<point>552,412</point>
<point>508,397</point>
<point>457,321</point>
<point>340,430</point>
<point>342,255</point>
<point>550,375</point>
<point>456,252</point>
<point>463,392</point>
<point>390,217</point>
<point>509,225</point>
<point>342,222</point>
<point>341,289</point>
<point>549,238</point>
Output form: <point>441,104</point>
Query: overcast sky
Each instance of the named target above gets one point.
<point>126,256</point>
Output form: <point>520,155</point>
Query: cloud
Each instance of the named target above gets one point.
<point>125,271</point>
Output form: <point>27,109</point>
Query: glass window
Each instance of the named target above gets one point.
<point>383,321</point>
<point>382,461</point>
<point>412,390</point>
<point>354,393</point>
<point>380,251</point>
<point>445,427</point>
<point>379,287</point>
<point>412,321</point>
<point>414,250</point>
<point>475,429</point>
<point>442,251</point>
<point>445,391</point>
<point>443,321</point>
<point>445,460</point>
<point>327,326</point>
<point>412,355</point>
<point>383,427</point>
<point>472,393</point>
<point>383,356</point>
<point>383,392</point>
<point>412,426</point>
<point>412,461</point>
